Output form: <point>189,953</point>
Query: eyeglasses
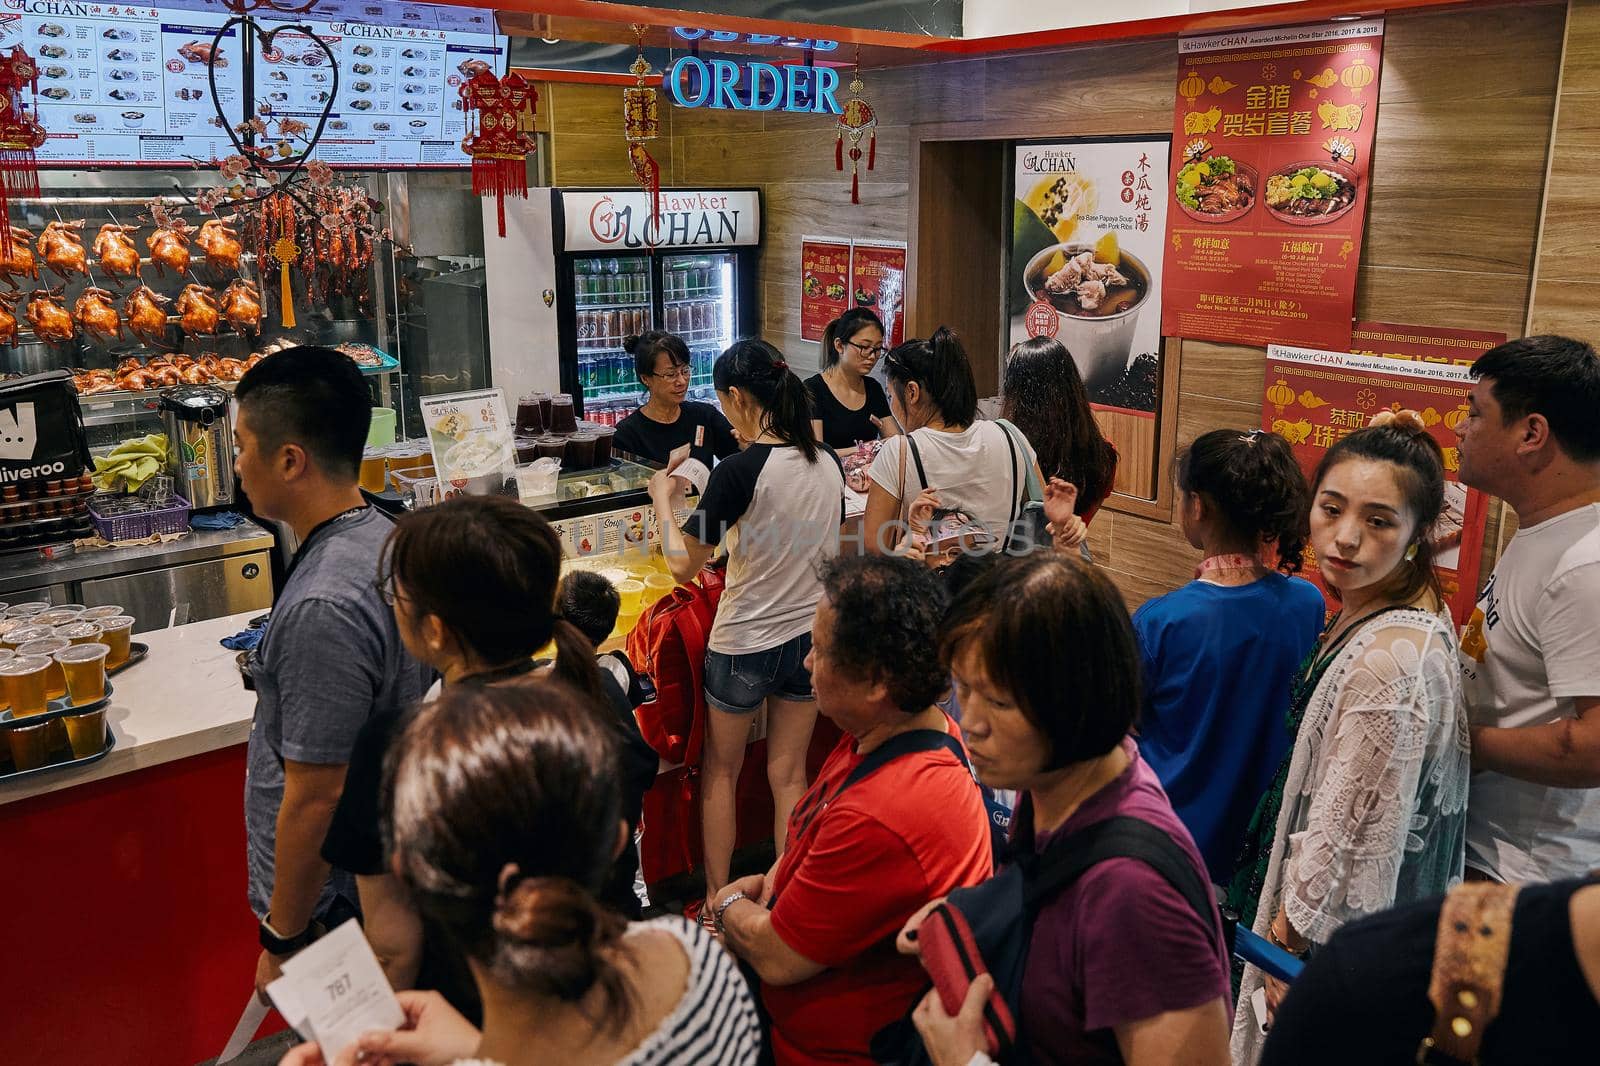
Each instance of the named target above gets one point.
<point>868,349</point>
<point>677,373</point>
<point>386,590</point>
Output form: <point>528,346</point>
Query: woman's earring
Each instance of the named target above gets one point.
<point>1411,553</point>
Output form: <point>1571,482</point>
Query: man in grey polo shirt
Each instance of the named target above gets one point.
<point>332,655</point>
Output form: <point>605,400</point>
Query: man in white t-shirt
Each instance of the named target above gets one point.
<point>1530,656</point>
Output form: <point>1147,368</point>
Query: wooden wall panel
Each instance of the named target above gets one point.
<point>1459,168</point>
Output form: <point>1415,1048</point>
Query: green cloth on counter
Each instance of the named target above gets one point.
<point>131,463</point>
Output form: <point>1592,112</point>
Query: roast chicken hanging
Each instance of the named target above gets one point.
<point>146,312</point>
<point>61,248</point>
<point>97,315</point>
<point>241,306</point>
<point>220,242</point>
<point>20,263</point>
<point>8,317</point>
<point>169,248</point>
<point>115,251</point>
<point>50,320</point>
<point>199,310</point>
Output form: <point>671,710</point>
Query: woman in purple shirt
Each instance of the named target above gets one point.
<point>1120,968</point>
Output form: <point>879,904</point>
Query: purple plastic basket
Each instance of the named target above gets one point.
<point>139,525</point>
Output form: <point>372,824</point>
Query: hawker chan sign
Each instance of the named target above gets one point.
<point>752,86</point>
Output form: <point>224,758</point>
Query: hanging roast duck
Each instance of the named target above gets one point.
<point>169,248</point>
<point>51,321</point>
<point>61,248</point>
<point>116,252</point>
<point>98,315</point>
<point>200,310</point>
<point>20,263</point>
<point>220,242</point>
<point>146,312</point>
<point>241,306</point>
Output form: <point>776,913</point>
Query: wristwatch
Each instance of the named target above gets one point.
<point>277,944</point>
<point>722,908</point>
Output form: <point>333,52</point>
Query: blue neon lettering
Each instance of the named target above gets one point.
<point>798,85</point>
<point>827,82</point>
<point>765,72</point>
<point>726,94</point>
<point>675,78</point>
<point>688,33</point>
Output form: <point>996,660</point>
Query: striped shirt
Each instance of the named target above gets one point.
<point>715,1022</point>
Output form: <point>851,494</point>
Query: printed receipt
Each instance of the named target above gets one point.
<point>334,991</point>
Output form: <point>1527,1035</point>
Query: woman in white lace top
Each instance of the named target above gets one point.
<point>504,814</point>
<point>1369,810</point>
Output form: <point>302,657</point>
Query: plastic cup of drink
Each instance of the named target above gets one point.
<point>25,634</point>
<point>657,586</point>
<point>24,680</point>
<point>55,616</point>
<point>625,623</point>
<point>527,449</point>
<point>551,447</point>
<point>85,667</point>
<point>30,745</point>
<point>562,418</point>
<point>374,469</point>
<point>26,610</point>
<point>80,632</point>
<point>86,732</point>
<point>55,682</point>
<point>75,608</point>
<point>110,610</point>
<point>116,633</point>
<point>580,451</point>
<point>632,593</point>
<point>530,416</point>
<point>603,436</point>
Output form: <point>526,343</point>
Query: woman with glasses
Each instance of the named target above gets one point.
<point>850,406</point>
<point>667,420</point>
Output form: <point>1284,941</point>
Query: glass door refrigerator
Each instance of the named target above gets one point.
<point>618,274</point>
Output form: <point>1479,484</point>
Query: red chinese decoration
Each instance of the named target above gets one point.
<point>857,120</point>
<point>20,134</point>
<point>641,122</point>
<point>499,139</point>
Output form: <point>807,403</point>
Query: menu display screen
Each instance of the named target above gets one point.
<point>121,84</point>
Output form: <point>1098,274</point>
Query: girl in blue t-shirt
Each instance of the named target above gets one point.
<point>1220,653</point>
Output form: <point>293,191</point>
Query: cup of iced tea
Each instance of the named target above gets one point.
<point>55,682</point>
<point>374,468</point>
<point>86,732</point>
<point>114,634</point>
<point>562,417</point>
<point>56,616</point>
<point>656,586</point>
<point>603,436</point>
<point>27,610</point>
<point>15,637</point>
<point>85,667</point>
<point>23,678</point>
<point>580,451</point>
<point>110,610</point>
<point>80,632</point>
<point>546,402</point>
<point>531,414</point>
<point>30,745</point>
<point>551,447</point>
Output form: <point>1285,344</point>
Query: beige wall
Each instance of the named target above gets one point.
<point>1459,166</point>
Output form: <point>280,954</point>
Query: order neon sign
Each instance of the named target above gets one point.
<point>752,86</point>
<point>689,33</point>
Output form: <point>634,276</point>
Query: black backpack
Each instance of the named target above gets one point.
<point>1000,912</point>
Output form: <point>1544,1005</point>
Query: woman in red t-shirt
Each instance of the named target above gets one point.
<point>1120,967</point>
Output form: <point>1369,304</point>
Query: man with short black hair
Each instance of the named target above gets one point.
<point>863,857</point>
<point>1530,656</point>
<point>332,655</point>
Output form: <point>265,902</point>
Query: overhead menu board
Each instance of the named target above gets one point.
<point>122,84</point>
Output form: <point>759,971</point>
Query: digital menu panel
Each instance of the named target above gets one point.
<point>125,84</point>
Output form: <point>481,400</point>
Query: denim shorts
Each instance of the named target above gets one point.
<point>738,684</point>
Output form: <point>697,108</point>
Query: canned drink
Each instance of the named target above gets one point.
<point>586,371</point>
<point>641,321</point>
<point>614,329</point>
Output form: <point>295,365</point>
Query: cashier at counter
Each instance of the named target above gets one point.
<point>667,420</point>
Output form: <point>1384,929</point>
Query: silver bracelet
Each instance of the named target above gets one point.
<point>722,908</point>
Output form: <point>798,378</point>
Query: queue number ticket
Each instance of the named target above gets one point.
<point>335,990</point>
<point>693,471</point>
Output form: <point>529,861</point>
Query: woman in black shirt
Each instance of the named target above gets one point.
<point>667,421</point>
<point>850,406</point>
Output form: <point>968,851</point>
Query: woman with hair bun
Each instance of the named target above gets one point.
<point>504,816</point>
<point>850,405</point>
<point>1221,652</point>
<point>668,420</point>
<point>1368,810</point>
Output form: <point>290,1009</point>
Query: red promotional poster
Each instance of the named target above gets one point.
<point>1314,398</point>
<point>878,281</point>
<point>824,284</point>
<point>1426,344</point>
<point>1271,161</point>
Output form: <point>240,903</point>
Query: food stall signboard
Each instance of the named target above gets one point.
<point>824,283</point>
<point>752,86</point>
<point>878,281</point>
<point>471,440</point>
<point>618,220</point>
<point>1314,398</point>
<point>1273,133</point>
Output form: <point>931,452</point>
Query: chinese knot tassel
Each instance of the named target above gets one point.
<point>500,176</point>
<point>838,152</point>
<point>872,150</point>
<point>648,173</point>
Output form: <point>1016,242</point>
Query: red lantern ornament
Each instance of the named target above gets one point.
<point>497,139</point>
<point>857,120</point>
<point>20,135</point>
<point>641,122</point>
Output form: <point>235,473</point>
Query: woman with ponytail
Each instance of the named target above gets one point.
<point>945,454</point>
<point>1368,810</point>
<point>851,406</point>
<point>504,817</point>
<point>473,584</point>
<point>1220,653</point>
<point>778,506</point>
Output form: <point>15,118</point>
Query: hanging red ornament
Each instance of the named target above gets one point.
<point>857,120</point>
<point>498,139</point>
<point>20,135</point>
<point>641,122</point>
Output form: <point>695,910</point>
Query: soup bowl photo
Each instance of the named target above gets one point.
<point>1099,340</point>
